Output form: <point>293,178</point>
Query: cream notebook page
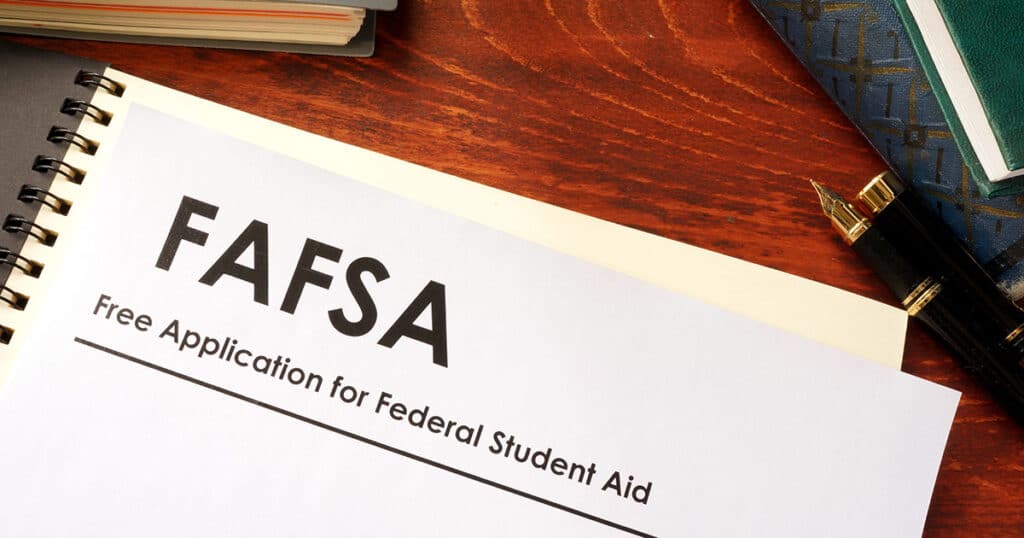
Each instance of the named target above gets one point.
<point>455,362</point>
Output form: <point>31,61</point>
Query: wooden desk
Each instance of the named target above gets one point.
<point>686,119</point>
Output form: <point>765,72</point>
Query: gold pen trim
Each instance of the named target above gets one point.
<point>921,295</point>
<point>1015,333</point>
<point>917,291</point>
<point>877,194</point>
<point>858,230</point>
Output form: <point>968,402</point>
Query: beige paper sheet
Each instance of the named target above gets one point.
<point>855,324</point>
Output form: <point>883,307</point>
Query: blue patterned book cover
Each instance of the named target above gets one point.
<point>860,53</point>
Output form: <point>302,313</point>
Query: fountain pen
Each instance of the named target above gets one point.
<point>933,296</point>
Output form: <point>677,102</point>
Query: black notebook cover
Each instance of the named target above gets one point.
<point>33,86</point>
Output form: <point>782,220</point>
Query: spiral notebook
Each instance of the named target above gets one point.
<point>221,326</point>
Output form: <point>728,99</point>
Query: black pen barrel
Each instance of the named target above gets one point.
<point>949,309</point>
<point>912,230</point>
<point>995,366</point>
<point>901,273</point>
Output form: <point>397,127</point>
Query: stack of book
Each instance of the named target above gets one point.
<point>336,27</point>
<point>972,55</point>
<point>944,112</point>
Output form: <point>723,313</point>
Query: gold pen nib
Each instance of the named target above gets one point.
<point>828,196</point>
<point>845,218</point>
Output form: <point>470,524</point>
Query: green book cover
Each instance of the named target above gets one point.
<point>989,42</point>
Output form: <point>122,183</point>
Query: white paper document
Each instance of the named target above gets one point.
<point>242,344</point>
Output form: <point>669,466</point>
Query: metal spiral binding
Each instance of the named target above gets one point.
<point>31,268</point>
<point>46,164</point>
<point>60,135</point>
<point>78,107</point>
<point>16,300</point>
<point>90,79</point>
<point>29,194</point>
<point>19,224</point>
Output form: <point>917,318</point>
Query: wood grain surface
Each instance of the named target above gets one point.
<point>686,119</point>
